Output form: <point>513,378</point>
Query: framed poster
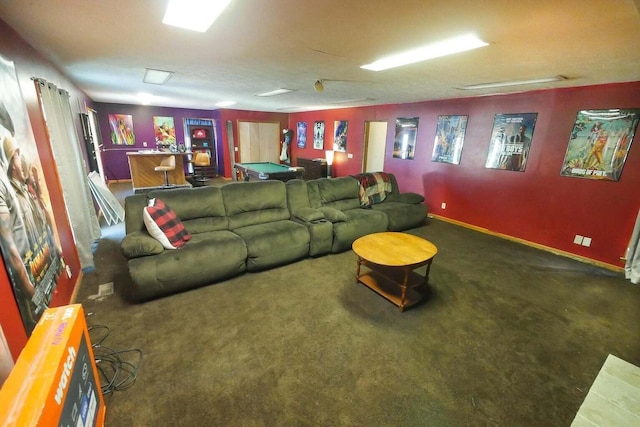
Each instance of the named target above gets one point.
<point>302,134</point>
<point>449,139</point>
<point>318,135</point>
<point>599,143</point>
<point>164,131</point>
<point>404,144</point>
<point>340,135</point>
<point>121,128</point>
<point>29,242</point>
<point>510,141</point>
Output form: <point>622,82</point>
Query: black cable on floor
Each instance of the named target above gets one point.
<point>115,372</point>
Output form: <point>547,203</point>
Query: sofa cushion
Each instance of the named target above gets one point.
<point>274,244</point>
<point>255,202</point>
<point>340,193</point>
<point>308,214</point>
<point>333,214</point>
<point>409,198</point>
<point>163,225</point>
<point>192,203</point>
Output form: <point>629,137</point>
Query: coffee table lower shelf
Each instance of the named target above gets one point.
<point>391,288</point>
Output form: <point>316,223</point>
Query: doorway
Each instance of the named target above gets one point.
<point>375,135</point>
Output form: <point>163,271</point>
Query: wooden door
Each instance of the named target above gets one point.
<point>259,142</point>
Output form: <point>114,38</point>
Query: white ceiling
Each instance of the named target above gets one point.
<point>261,45</point>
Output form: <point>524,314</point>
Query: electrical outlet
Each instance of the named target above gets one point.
<point>586,241</point>
<point>443,205</point>
<point>578,239</point>
<point>349,156</point>
<point>144,143</point>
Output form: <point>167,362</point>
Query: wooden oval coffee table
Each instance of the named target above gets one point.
<point>391,259</point>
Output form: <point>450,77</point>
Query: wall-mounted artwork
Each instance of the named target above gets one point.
<point>449,139</point>
<point>302,134</point>
<point>164,130</point>
<point>511,141</point>
<point>29,242</point>
<point>121,127</point>
<point>318,135</point>
<point>404,144</point>
<point>599,143</point>
<point>340,135</point>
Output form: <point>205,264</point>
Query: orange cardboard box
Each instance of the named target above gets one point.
<point>54,381</point>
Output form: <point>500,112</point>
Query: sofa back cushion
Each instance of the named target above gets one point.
<point>257,202</point>
<point>297,196</point>
<point>200,209</point>
<point>339,193</point>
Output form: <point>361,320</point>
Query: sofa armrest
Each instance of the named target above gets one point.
<point>139,244</point>
<point>409,198</point>
<point>333,214</point>
<point>308,215</point>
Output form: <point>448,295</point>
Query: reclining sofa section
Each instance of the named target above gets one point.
<point>252,226</point>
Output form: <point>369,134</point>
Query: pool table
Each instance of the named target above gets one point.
<point>267,170</point>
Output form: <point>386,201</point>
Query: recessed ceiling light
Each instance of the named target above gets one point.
<point>275,92</point>
<point>225,103</point>
<point>430,51</point>
<point>514,83</point>
<point>195,15</point>
<point>156,77</point>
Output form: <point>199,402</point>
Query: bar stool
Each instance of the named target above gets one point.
<point>201,163</point>
<point>167,164</point>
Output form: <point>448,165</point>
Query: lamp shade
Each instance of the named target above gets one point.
<point>329,156</point>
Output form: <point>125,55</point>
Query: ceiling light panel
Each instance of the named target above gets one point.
<point>275,92</point>
<point>195,15</point>
<point>514,83</point>
<point>434,50</point>
<point>156,77</point>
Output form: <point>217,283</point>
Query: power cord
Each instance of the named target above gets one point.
<point>115,372</point>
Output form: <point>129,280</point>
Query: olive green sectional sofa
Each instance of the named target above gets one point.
<point>253,226</point>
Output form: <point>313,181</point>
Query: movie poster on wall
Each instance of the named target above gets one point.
<point>302,134</point>
<point>599,143</point>
<point>404,144</point>
<point>511,141</point>
<point>164,131</point>
<point>29,241</point>
<point>121,129</point>
<point>449,139</point>
<point>340,135</point>
<point>318,135</point>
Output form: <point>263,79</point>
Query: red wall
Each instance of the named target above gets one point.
<point>537,205</point>
<point>28,64</point>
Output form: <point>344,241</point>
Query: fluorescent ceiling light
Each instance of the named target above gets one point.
<point>275,92</point>
<point>225,103</point>
<point>514,83</point>
<point>195,15</point>
<point>156,77</point>
<point>430,51</point>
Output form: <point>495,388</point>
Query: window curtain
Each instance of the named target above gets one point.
<point>632,263</point>
<point>69,164</point>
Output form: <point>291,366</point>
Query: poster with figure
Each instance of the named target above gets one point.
<point>511,141</point>
<point>599,143</point>
<point>404,144</point>
<point>29,241</point>
<point>318,135</point>
<point>121,128</point>
<point>340,135</point>
<point>302,134</point>
<point>449,139</point>
<point>164,131</point>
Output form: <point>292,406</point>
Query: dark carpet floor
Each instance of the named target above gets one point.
<point>509,336</point>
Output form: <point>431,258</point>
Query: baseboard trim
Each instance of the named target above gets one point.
<point>555,251</point>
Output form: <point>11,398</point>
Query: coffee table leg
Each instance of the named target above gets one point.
<point>405,284</point>
<point>358,269</point>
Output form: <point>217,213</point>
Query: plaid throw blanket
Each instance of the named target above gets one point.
<point>373,187</point>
